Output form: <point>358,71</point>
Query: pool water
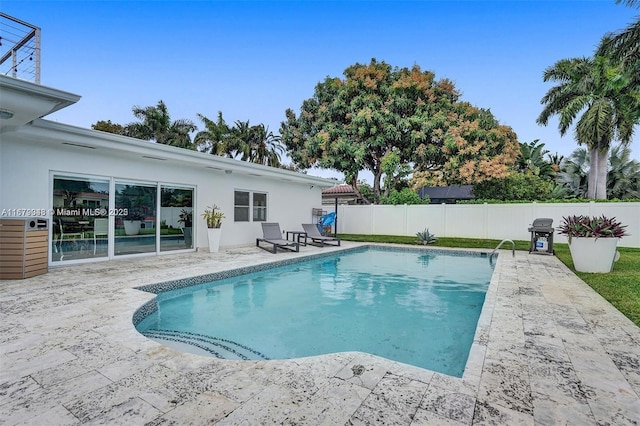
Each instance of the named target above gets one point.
<point>419,307</point>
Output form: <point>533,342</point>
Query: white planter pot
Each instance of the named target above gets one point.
<point>593,254</point>
<point>132,227</point>
<point>188,236</point>
<point>214,239</point>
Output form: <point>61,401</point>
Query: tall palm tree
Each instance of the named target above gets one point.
<point>156,125</point>
<point>240,142</point>
<point>213,139</point>
<point>599,92</point>
<point>266,148</point>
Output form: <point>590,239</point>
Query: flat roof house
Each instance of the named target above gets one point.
<point>107,195</point>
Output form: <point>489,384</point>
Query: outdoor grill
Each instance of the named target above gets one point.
<point>541,236</point>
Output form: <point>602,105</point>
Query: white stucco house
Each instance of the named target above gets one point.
<point>88,183</point>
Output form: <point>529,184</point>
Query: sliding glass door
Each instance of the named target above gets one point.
<point>79,222</point>
<point>135,225</point>
<point>176,218</point>
<point>104,217</point>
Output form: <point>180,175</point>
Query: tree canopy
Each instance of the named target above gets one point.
<point>355,123</point>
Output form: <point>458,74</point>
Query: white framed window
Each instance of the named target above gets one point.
<point>249,206</point>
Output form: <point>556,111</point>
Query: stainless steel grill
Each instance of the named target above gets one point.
<point>541,236</point>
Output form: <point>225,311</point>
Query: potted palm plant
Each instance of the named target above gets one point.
<point>186,218</point>
<point>592,241</point>
<point>213,217</point>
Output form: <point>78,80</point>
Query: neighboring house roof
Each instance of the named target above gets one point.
<point>339,189</point>
<point>455,192</point>
<point>343,193</point>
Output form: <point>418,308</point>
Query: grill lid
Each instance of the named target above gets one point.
<point>542,225</point>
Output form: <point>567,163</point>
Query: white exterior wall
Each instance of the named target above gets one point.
<point>493,221</point>
<point>26,170</point>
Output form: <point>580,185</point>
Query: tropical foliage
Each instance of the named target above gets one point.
<point>353,124</point>
<point>531,160</point>
<point>591,227</point>
<point>156,125</point>
<point>517,186</point>
<point>404,196</point>
<point>623,174</point>
<point>242,141</point>
<point>604,92</point>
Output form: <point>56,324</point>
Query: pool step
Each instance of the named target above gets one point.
<point>216,346</point>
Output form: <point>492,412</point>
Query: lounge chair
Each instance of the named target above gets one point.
<point>272,235</point>
<point>315,236</point>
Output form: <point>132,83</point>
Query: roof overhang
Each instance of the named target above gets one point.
<point>65,136</point>
<point>22,101</point>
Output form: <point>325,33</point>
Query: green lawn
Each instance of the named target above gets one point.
<point>621,287</point>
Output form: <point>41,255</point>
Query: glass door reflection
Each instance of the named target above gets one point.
<point>176,218</point>
<point>135,227</point>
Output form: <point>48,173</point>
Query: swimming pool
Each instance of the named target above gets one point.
<point>418,307</point>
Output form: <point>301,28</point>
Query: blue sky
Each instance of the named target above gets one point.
<point>253,60</point>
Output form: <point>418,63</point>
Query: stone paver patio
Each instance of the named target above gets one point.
<point>548,350</point>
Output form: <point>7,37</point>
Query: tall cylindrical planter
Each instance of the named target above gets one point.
<point>214,239</point>
<point>593,254</point>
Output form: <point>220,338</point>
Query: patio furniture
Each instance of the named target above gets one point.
<point>299,236</point>
<point>271,234</point>
<point>100,229</point>
<point>316,237</point>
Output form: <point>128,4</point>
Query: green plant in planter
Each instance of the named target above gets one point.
<point>426,237</point>
<point>213,217</point>
<point>591,227</point>
<point>134,214</point>
<point>186,218</point>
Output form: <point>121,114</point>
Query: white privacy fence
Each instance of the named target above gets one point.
<point>494,221</point>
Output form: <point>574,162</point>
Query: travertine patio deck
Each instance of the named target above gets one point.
<point>548,350</point>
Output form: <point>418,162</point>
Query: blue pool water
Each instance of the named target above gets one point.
<point>414,306</point>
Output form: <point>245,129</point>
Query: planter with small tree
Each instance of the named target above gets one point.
<point>592,241</point>
<point>213,217</point>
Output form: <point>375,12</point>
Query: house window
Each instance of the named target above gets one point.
<point>259,207</point>
<point>248,201</point>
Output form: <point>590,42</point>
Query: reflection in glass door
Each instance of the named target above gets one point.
<point>135,225</point>
<point>80,218</point>
<point>176,218</point>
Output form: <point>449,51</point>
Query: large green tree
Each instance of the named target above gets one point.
<point>599,91</point>
<point>353,124</point>
<point>156,125</point>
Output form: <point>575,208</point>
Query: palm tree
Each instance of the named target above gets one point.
<point>574,172</point>
<point>555,160</point>
<point>266,148</point>
<point>240,141</point>
<point>156,125</point>
<point>624,174</point>
<point>215,136</point>
<point>599,91</point>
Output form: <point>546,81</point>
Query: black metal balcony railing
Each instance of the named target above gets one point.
<point>19,49</point>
